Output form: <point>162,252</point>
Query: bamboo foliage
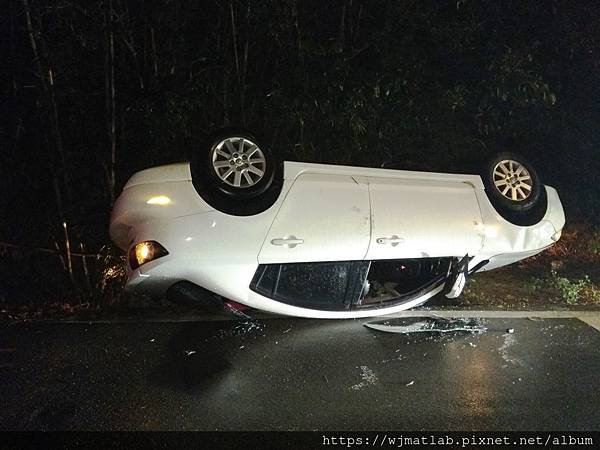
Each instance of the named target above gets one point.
<point>104,88</point>
<point>110,94</point>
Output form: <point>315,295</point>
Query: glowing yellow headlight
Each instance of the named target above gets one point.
<point>144,252</point>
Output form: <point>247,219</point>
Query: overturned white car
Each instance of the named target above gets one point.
<point>325,241</point>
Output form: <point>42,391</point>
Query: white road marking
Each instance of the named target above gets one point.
<point>591,318</point>
<point>593,322</point>
<point>496,314</point>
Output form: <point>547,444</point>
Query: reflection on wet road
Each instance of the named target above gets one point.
<point>294,374</point>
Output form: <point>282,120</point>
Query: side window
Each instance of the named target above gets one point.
<point>331,286</point>
<point>395,281</point>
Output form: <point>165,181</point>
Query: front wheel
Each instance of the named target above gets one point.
<point>515,189</point>
<point>236,174</point>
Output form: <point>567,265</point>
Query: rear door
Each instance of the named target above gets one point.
<point>323,218</point>
<point>422,218</point>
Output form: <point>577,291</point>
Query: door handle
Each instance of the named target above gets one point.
<point>287,241</point>
<point>393,240</point>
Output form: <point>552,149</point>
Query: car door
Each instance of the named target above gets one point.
<point>324,217</point>
<point>423,218</point>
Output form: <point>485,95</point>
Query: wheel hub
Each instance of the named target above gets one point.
<point>512,180</point>
<point>238,162</point>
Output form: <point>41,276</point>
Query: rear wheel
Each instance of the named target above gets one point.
<point>236,174</point>
<point>515,189</point>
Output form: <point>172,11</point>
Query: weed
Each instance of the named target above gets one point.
<point>593,244</point>
<point>569,291</point>
<point>535,285</point>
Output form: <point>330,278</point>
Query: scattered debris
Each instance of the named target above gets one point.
<point>152,340</point>
<point>411,383</point>
<point>398,358</point>
<point>509,341</point>
<point>189,352</point>
<point>241,328</point>
<point>288,330</point>
<point>535,319</point>
<point>510,330</point>
<point>406,325</point>
<point>234,308</point>
<point>368,378</point>
<point>242,346</point>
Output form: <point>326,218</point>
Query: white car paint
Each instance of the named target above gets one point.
<point>414,218</point>
<point>338,212</point>
<point>329,213</point>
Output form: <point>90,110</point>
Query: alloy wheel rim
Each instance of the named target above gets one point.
<point>513,180</point>
<point>239,162</point>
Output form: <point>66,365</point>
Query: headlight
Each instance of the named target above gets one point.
<point>144,252</point>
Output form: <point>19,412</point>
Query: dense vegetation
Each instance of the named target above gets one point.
<point>93,91</point>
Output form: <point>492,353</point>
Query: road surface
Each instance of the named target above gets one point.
<point>297,374</point>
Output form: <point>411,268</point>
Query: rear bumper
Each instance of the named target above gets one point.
<point>505,243</point>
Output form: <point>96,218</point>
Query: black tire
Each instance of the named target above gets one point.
<point>223,194</point>
<point>515,189</point>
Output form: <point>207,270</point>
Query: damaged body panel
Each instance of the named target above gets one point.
<point>334,242</point>
<point>505,243</point>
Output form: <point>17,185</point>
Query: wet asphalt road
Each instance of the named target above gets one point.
<point>294,374</point>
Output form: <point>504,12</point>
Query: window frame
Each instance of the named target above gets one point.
<point>357,272</point>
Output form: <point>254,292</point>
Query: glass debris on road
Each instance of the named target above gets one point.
<point>406,325</point>
<point>367,376</point>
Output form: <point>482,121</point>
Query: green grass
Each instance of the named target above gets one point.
<point>571,291</point>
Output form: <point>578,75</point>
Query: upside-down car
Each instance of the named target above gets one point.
<point>325,241</point>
